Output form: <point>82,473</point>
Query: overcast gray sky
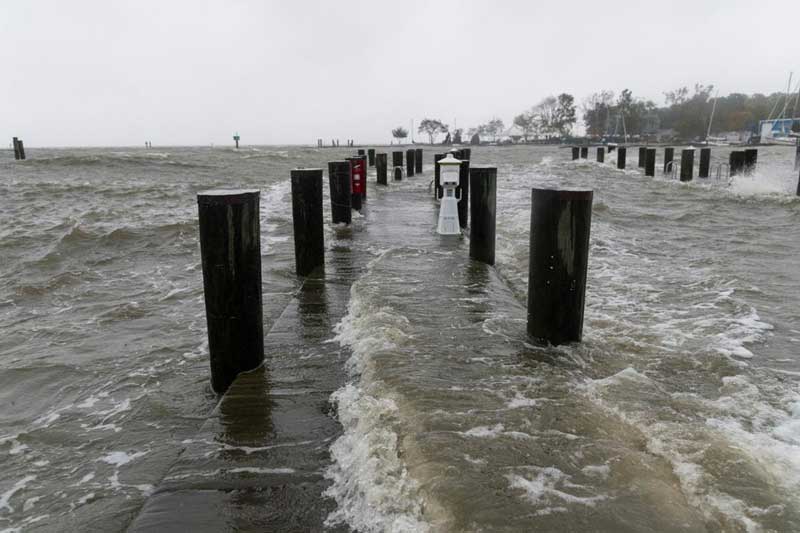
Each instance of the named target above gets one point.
<point>113,72</point>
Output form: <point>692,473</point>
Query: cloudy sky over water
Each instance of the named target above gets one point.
<point>113,72</point>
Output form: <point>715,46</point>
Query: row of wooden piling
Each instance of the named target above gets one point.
<point>19,148</point>
<point>231,251</point>
<point>740,162</point>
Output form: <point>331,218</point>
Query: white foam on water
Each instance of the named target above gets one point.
<point>548,486</point>
<point>370,483</point>
<point>5,498</point>
<point>121,458</point>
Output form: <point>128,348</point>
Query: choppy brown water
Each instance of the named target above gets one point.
<point>680,411</point>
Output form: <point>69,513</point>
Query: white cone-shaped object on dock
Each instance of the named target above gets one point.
<point>448,209</point>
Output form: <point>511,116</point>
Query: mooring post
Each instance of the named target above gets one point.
<point>466,153</point>
<point>797,155</point>
<point>687,164</point>
<point>380,167</point>
<point>750,161</point>
<point>371,156</point>
<point>341,193</point>
<point>364,176</point>
<point>397,161</point>
<point>418,161</point>
<point>611,148</point>
<point>576,152</point>
<point>398,174</point>
<point>584,152</point>
<point>15,142</point>
<point>437,187</point>
<point>309,242</point>
<point>559,257</point>
<point>642,155</point>
<point>410,162</point>
<point>705,162</point>
<point>669,155</point>
<point>650,162</point>
<point>736,163</point>
<point>361,151</point>
<point>230,251</point>
<point>483,212</point>
<point>621,153</point>
<point>601,154</point>
<point>462,191</point>
<point>21,148</point>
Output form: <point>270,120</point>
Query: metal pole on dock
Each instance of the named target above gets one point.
<point>230,250</point>
<point>309,242</point>
<point>483,211</point>
<point>418,161</point>
<point>380,167</point>
<point>621,153</point>
<point>705,162</point>
<point>650,162</point>
<point>341,193</point>
<point>669,155</point>
<point>687,164</point>
<point>559,258</point>
<point>601,154</point>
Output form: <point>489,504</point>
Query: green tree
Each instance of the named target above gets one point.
<point>526,121</point>
<point>432,127</point>
<point>564,114</point>
<point>400,133</point>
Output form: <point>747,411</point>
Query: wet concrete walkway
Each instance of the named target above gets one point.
<point>258,462</point>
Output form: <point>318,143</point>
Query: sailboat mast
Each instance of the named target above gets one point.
<point>788,90</point>
<point>710,120</point>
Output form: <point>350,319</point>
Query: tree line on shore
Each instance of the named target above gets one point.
<point>686,113</point>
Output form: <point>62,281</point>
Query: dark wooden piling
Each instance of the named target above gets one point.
<point>380,167</point>
<point>437,186</point>
<point>364,176</point>
<point>483,212</point>
<point>341,193</point>
<point>309,242</point>
<point>559,257</point>
<point>466,153</point>
<point>418,160</point>
<point>621,153</point>
<point>736,163</point>
<point>576,152</point>
<point>410,162</point>
<point>230,250</point>
<point>642,156</point>
<point>361,151</point>
<point>750,160</point>
<point>705,162</point>
<point>669,155</point>
<point>687,164</point>
<point>371,156</point>
<point>611,148</point>
<point>397,159</point>
<point>15,143</point>
<point>601,154</point>
<point>584,152</point>
<point>21,148</point>
<point>462,191</point>
<point>398,174</point>
<point>650,162</point>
